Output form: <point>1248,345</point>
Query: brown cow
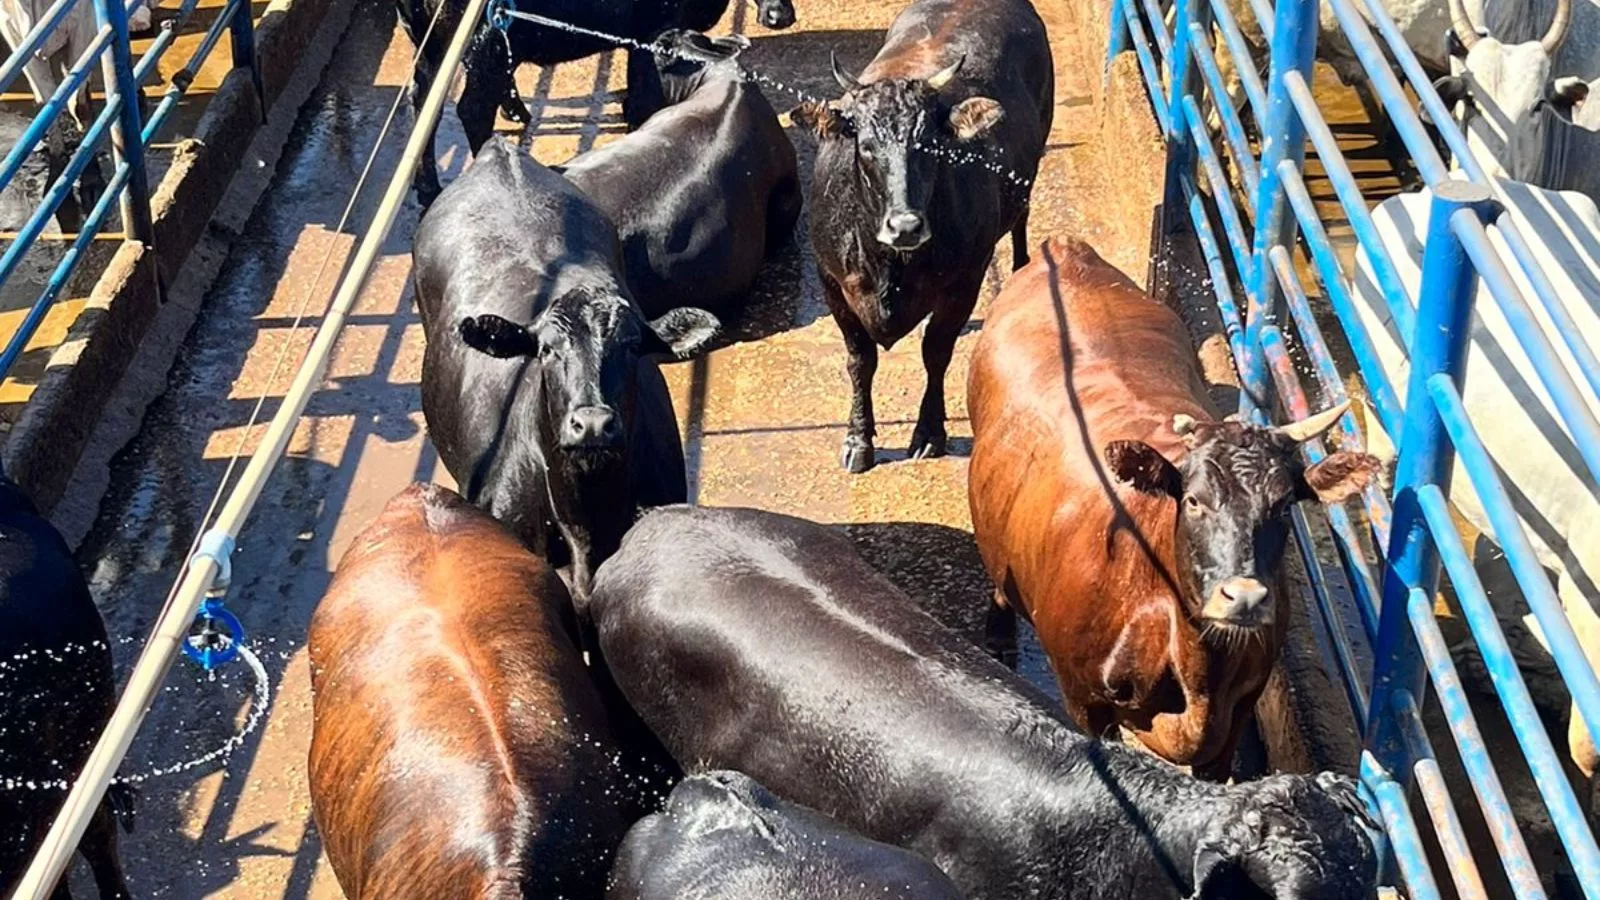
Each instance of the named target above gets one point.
<point>1091,428</point>
<point>458,745</point>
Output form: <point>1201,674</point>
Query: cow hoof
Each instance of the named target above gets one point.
<point>856,455</point>
<point>926,446</point>
<point>516,111</point>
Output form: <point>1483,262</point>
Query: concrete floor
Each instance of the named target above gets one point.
<point>762,420</point>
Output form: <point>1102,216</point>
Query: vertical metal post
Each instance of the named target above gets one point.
<point>126,144</point>
<point>242,34</point>
<point>1180,142</point>
<point>1439,345</point>
<point>1283,137</point>
<point>1120,39</point>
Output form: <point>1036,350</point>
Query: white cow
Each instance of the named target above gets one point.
<point>1423,23</point>
<point>1557,499</point>
<point>1523,103</point>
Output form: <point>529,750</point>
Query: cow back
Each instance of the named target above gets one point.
<point>1074,356</point>
<point>458,745</point>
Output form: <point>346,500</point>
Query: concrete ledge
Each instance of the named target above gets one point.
<point>43,448</point>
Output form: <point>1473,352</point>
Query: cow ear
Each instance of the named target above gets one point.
<point>731,45</point>
<point>500,338</point>
<point>1568,92</point>
<point>823,119</point>
<point>1142,466</point>
<point>681,333</point>
<point>1338,477</point>
<point>973,117</point>
<point>1217,872</point>
<point>1452,89</point>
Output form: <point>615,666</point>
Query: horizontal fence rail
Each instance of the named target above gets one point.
<point>1376,605</point>
<point>122,125</point>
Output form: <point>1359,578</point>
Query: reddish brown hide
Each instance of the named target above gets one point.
<point>1088,559</point>
<point>459,747</point>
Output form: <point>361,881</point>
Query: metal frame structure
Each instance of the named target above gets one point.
<point>121,119</point>
<point>1382,635</point>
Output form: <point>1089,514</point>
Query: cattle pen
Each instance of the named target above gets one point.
<point>195,494</point>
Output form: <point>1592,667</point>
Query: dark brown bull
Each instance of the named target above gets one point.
<point>1142,536</point>
<point>458,746</point>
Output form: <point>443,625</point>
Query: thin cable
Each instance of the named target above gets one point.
<point>299,318</point>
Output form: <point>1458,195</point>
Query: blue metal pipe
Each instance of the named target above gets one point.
<point>1375,503</point>
<point>1147,63</point>
<point>1220,285</point>
<point>1441,115</point>
<point>1337,289</point>
<point>51,109</point>
<point>1243,60</point>
<point>126,132</point>
<point>1444,325</point>
<point>1222,195</point>
<point>1509,534</point>
<point>1264,16</point>
<point>181,79</point>
<point>29,45</point>
<point>1283,137</point>
<point>1355,207</point>
<point>1550,299</point>
<point>1158,28</point>
<point>1485,781</point>
<point>58,191</point>
<point>243,33</point>
<point>1333,623</point>
<point>158,48</point>
<point>18,343</point>
<point>1566,814</point>
<point>1401,828</point>
<point>1436,796</point>
<point>1294,400</point>
<point>1232,126</point>
<point>1118,41</point>
<point>1390,92</point>
<point>1569,401</point>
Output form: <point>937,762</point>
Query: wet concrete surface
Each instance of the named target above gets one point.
<point>762,418</point>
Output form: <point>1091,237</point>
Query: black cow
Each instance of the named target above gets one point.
<point>539,383</point>
<point>56,693</point>
<point>924,164</point>
<point>493,56</point>
<point>752,641</point>
<point>722,836</point>
<point>703,190</point>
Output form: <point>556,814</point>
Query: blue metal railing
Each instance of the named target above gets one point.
<point>121,124</point>
<point>1412,531</point>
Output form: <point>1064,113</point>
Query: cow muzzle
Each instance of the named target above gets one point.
<point>903,231</point>
<point>1240,603</point>
<point>592,428</point>
<point>775,14</point>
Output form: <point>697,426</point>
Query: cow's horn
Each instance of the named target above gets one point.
<point>1558,27</point>
<point>1466,32</point>
<point>845,79</point>
<point>1313,425</point>
<point>1182,424</point>
<point>944,76</point>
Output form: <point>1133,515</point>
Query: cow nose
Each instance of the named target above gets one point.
<point>777,16</point>
<point>592,427</point>
<point>1240,601</point>
<point>903,231</point>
